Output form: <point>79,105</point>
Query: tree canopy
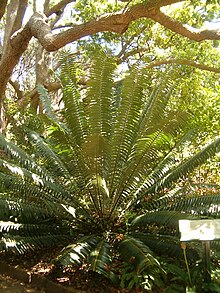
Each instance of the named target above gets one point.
<point>154,33</point>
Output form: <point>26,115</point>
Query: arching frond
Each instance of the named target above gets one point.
<point>47,106</point>
<point>188,165</point>
<point>48,154</point>
<point>12,228</point>
<point>162,218</point>
<point>50,193</point>
<point>101,260</point>
<point>30,211</point>
<point>155,107</point>
<point>136,252</point>
<point>73,112</point>
<point>98,99</point>
<point>78,252</point>
<point>157,181</point>
<point>206,205</point>
<point>22,158</point>
<point>22,244</point>
<point>125,129</point>
<point>166,245</point>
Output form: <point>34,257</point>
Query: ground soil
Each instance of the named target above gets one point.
<point>38,263</point>
<point>9,285</point>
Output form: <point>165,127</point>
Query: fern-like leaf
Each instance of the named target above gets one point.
<point>78,252</point>
<point>161,218</point>
<point>137,253</point>
<point>101,260</point>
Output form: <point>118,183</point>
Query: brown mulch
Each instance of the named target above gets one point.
<point>9,285</point>
<point>38,263</point>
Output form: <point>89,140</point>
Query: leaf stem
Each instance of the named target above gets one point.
<point>183,246</point>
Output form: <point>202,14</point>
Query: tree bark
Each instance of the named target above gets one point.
<point>118,23</point>
<point>3,5</point>
<point>183,62</point>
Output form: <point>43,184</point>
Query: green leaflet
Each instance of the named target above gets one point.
<point>168,245</point>
<point>51,157</point>
<point>161,218</point>
<point>101,260</point>
<point>78,252</point>
<point>21,244</point>
<point>137,253</point>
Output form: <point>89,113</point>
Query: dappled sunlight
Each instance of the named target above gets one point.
<point>70,210</point>
<point>37,179</point>
<point>75,257</point>
<point>7,226</point>
<point>214,208</point>
<point>14,169</point>
<point>9,243</point>
<point>21,172</point>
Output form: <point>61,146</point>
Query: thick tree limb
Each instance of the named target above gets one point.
<point>33,95</point>
<point>117,22</point>
<point>17,45</point>
<point>16,87</point>
<point>15,13</point>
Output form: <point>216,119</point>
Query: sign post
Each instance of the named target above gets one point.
<point>206,261</point>
<point>205,231</point>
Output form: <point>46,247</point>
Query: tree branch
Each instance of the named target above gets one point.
<point>183,62</point>
<point>56,8</point>
<point>34,95</point>
<point>130,54</point>
<point>128,42</point>
<point>15,14</point>
<point>3,5</point>
<point>185,30</point>
<point>16,87</point>
<point>117,22</point>
<point>17,45</point>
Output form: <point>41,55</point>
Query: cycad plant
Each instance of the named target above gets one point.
<point>97,180</point>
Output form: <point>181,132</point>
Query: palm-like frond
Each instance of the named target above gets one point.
<point>125,129</point>
<point>190,164</point>
<point>21,244</point>
<point>155,107</point>
<point>161,218</point>
<point>157,181</point>
<point>206,205</point>
<point>21,157</point>
<point>48,154</point>
<point>168,245</point>
<point>109,149</point>
<point>101,260</point>
<point>73,112</point>
<point>44,97</point>
<point>137,253</point>
<point>43,192</point>
<point>31,211</point>
<point>29,229</point>
<point>98,100</point>
<point>78,252</point>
